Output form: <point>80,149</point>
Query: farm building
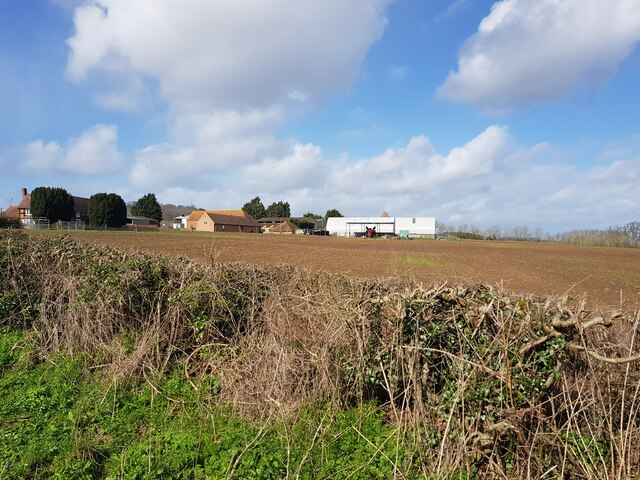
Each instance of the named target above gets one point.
<point>284,228</point>
<point>357,226</point>
<point>80,204</point>
<point>273,220</point>
<point>142,221</point>
<point>222,221</point>
<point>180,222</point>
<point>24,207</point>
<point>11,212</point>
<point>194,217</point>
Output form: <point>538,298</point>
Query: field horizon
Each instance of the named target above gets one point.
<point>607,277</point>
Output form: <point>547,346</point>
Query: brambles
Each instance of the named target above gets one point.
<point>455,380</point>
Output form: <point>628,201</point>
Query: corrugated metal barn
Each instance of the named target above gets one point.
<point>357,226</point>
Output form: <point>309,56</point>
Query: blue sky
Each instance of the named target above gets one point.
<point>479,112</point>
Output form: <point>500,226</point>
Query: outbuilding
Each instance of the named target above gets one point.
<point>386,226</point>
<point>180,222</point>
<point>142,221</point>
<point>284,228</point>
<point>222,221</point>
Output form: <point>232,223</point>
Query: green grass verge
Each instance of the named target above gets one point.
<point>60,420</point>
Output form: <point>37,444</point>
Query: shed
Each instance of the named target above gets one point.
<point>284,228</point>
<point>142,221</point>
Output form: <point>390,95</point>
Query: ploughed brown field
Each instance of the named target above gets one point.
<point>610,277</point>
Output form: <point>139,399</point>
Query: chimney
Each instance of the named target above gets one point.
<point>24,192</point>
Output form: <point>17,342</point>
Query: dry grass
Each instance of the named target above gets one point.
<point>477,379</point>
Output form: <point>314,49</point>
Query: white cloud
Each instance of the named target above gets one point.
<point>231,74</point>
<point>302,167</point>
<point>228,54</point>
<point>94,152</point>
<point>487,180</point>
<point>41,156</point>
<point>530,52</point>
<point>417,167</point>
<point>117,101</point>
<point>209,146</point>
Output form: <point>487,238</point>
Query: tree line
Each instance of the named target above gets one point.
<point>627,235</point>
<point>110,210</point>
<point>281,209</point>
<point>105,209</point>
<point>617,236</point>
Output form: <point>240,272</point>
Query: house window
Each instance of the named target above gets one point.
<point>413,220</point>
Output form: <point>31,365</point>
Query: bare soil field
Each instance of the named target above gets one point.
<point>609,277</point>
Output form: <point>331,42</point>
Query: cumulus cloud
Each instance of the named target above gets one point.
<point>230,72</point>
<point>417,167</point>
<point>94,152</point>
<point>228,54</point>
<point>488,180</point>
<point>530,52</point>
<point>231,75</point>
<point>302,167</point>
<point>207,147</point>
<point>116,101</point>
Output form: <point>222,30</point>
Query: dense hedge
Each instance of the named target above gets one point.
<point>9,222</point>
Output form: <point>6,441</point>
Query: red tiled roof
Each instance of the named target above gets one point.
<point>25,202</point>
<point>11,212</point>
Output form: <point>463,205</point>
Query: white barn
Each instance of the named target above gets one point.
<point>357,226</point>
<point>180,221</point>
